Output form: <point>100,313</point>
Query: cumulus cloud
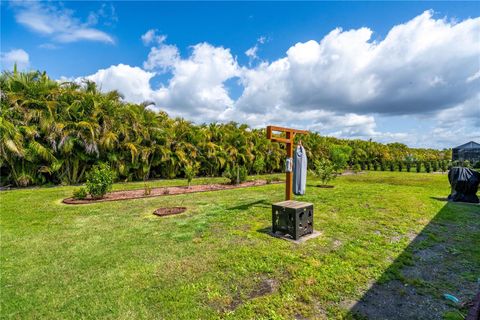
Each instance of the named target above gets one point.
<point>132,82</point>
<point>15,56</point>
<point>420,66</point>
<point>339,85</point>
<point>151,36</point>
<point>60,24</point>
<point>251,53</point>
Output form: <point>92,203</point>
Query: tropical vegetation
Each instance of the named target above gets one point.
<point>54,132</point>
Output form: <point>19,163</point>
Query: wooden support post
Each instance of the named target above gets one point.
<point>288,140</point>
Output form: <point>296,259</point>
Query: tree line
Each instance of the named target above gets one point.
<point>54,132</point>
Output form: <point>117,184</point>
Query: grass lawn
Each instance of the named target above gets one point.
<point>117,260</point>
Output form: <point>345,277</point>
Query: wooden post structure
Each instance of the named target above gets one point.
<point>288,140</point>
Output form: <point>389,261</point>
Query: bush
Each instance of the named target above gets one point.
<point>477,165</point>
<point>236,174</point>
<point>408,165</point>
<point>80,194</point>
<point>383,167</point>
<point>435,166</point>
<point>443,166</point>
<point>339,154</point>
<point>375,165</point>
<point>259,165</point>
<point>356,168</point>
<point>418,166</point>
<point>190,173</point>
<point>400,166</point>
<point>392,166</point>
<point>147,190</point>
<point>324,170</point>
<point>428,167</point>
<point>99,180</point>
<point>362,165</point>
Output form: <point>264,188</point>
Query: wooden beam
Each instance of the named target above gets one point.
<point>278,139</point>
<point>283,129</point>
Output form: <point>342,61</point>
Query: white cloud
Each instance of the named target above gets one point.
<point>132,82</point>
<point>339,85</point>
<point>59,23</point>
<point>151,36</point>
<point>420,66</point>
<point>251,53</point>
<point>162,58</point>
<point>18,56</point>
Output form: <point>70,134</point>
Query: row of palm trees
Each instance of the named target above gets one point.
<point>53,132</point>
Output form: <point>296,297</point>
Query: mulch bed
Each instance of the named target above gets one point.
<point>162,212</point>
<point>166,191</point>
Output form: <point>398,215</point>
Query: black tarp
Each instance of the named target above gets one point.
<point>464,183</point>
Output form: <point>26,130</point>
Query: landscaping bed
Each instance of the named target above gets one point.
<point>166,191</point>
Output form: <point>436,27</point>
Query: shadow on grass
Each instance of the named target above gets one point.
<point>259,203</point>
<point>443,258</point>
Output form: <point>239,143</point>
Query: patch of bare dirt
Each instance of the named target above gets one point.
<point>165,191</point>
<point>162,212</point>
<point>395,300</point>
<point>264,287</point>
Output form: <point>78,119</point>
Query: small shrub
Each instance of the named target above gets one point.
<point>259,165</point>
<point>435,166</point>
<point>375,165</point>
<point>269,180</point>
<point>190,173</point>
<point>428,166</point>
<point>99,180</point>
<point>408,165</point>
<point>466,164</point>
<point>236,174</point>
<point>362,165</point>
<point>400,166</point>
<point>80,193</point>
<point>418,166</point>
<point>324,170</point>
<point>392,166</point>
<point>444,166</point>
<point>147,190</point>
<point>356,168</point>
<point>383,166</point>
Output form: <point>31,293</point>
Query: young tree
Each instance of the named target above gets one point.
<point>324,170</point>
<point>190,173</point>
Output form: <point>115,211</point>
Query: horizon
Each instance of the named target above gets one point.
<point>390,72</point>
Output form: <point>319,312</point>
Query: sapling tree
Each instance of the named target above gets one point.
<point>324,170</point>
<point>190,173</point>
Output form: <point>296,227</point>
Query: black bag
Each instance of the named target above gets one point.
<point>464,182</point>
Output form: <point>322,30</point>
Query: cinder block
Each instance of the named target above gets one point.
<point>294,218</point>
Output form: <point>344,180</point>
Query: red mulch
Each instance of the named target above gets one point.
<point>162,212</point>
<point>165,191</point>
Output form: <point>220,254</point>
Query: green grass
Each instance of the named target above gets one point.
<point>117,260</point>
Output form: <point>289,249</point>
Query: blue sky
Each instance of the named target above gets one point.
<point>218,81</point>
